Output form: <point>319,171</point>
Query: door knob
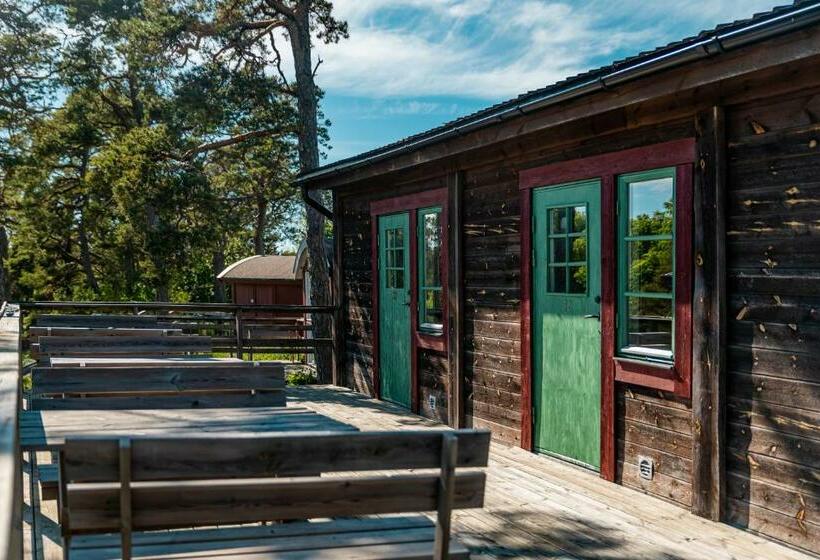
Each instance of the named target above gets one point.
<point>592,316</point>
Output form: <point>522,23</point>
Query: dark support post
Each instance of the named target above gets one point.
<point>238,327</point>
<point>455,298</point>
<point>446,491</point>
<point>338,310</point>
<point>709,316</point>
<point>125,498</point>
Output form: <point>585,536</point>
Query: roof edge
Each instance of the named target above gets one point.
<point>234,265</point>
<point>716,42</point>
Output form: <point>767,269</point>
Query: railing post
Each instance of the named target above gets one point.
<point>238,327</point>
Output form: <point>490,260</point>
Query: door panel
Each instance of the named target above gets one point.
<point>394,308</point>
<point>566,322</point>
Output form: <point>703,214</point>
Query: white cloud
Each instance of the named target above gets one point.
<point>492,49</point>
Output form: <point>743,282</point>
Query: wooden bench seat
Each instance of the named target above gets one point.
<point>49,478</point>
<point>103,331</point>
<point>368,538</point>
<point>216,386</point>
<point>96,321</point>
<point>122,345</point>
<point>132,486</point>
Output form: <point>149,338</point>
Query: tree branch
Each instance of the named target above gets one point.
<point>225,142</point>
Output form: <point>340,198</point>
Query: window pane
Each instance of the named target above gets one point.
<point>432,308</point>
<point>558,220</point>
<point>395,279</point>
<point>578,249</point>
<point>579,219</point>
<point>432,250</point>
<point>558,252</point>
<point>651,209</point>
<point>650,266</point>
<point>558,280</point>
<point>578,279</point>
<point>649,325</point>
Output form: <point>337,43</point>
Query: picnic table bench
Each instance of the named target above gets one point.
<point>148,387</point>
<point>121,345</point>
<point>92,321</point>
<point>114,491</point>
<point>47,430</point>
<point>128,362</point>
<point>103,331</point>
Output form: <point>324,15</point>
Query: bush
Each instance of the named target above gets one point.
<point>301,377</point>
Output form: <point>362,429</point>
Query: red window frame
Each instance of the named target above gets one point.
<point>676,377</point>
<point>420,339</point>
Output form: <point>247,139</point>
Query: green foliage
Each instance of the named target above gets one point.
<point>301,376</point>
<point>142,143</point>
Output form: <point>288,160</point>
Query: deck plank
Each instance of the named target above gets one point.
<point>538,507</point>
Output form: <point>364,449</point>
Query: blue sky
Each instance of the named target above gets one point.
<point>410,65</point>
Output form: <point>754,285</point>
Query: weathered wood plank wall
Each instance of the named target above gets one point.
<point>773,355</point>
<point>357,300</point>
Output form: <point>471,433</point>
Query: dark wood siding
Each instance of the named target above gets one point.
<point>492,361</point>
<point>659,426</point>
<point>773,355</point>
<point>357,299</point>
<point>357,295</point>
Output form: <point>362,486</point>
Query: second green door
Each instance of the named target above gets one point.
<point>566,334</point>
<point>394,308</point>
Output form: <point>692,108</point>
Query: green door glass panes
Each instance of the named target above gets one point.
<point>567,234</point>
<point>646,264</point>
<point>430,293</point>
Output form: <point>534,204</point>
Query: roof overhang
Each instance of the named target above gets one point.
<point>719,45</point>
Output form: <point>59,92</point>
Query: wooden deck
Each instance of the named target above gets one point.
<point>535,507</point>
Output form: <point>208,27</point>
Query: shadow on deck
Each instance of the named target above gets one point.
<point>535,507</point>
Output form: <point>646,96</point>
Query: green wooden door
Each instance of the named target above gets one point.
<point>394,308</point>
<point>566,324</point>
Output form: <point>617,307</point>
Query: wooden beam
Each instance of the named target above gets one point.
<point>526,316</point>
<point>455,288</point>
<point>708,317</point>
<point>11,469</point>
<point>338,292</point>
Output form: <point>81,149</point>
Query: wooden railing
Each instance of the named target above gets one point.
<point>243,330</point>
<point>11,469</point>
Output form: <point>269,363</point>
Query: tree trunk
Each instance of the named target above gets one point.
<point>261,223</point>
<point>218,263</point>
<point>82,234</point>
<point>307,104</point>
<point>85,256</point>
<point>4,248</point>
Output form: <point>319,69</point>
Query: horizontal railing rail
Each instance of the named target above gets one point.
<point>247,331</point>
<point>11,469</point>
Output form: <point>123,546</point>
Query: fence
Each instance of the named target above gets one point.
<point>245,331</point>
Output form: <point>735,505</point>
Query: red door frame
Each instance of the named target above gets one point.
<point>409,203</point>
<point>606,167</point>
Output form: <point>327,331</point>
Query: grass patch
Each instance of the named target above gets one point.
<point>301,376</point>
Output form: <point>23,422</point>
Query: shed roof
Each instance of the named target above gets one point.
<point>707,43</point>
<point>261,267</point>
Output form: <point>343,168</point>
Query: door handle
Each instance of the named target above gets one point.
<point>592,316</point>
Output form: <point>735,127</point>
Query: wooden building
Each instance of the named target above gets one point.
<point>264,280</point>
<point>621,270</point>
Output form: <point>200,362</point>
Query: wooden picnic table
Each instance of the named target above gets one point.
<point>114,361</point>
<point>47,430</point>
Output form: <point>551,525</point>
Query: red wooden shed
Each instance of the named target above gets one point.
<point>264,280</point>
